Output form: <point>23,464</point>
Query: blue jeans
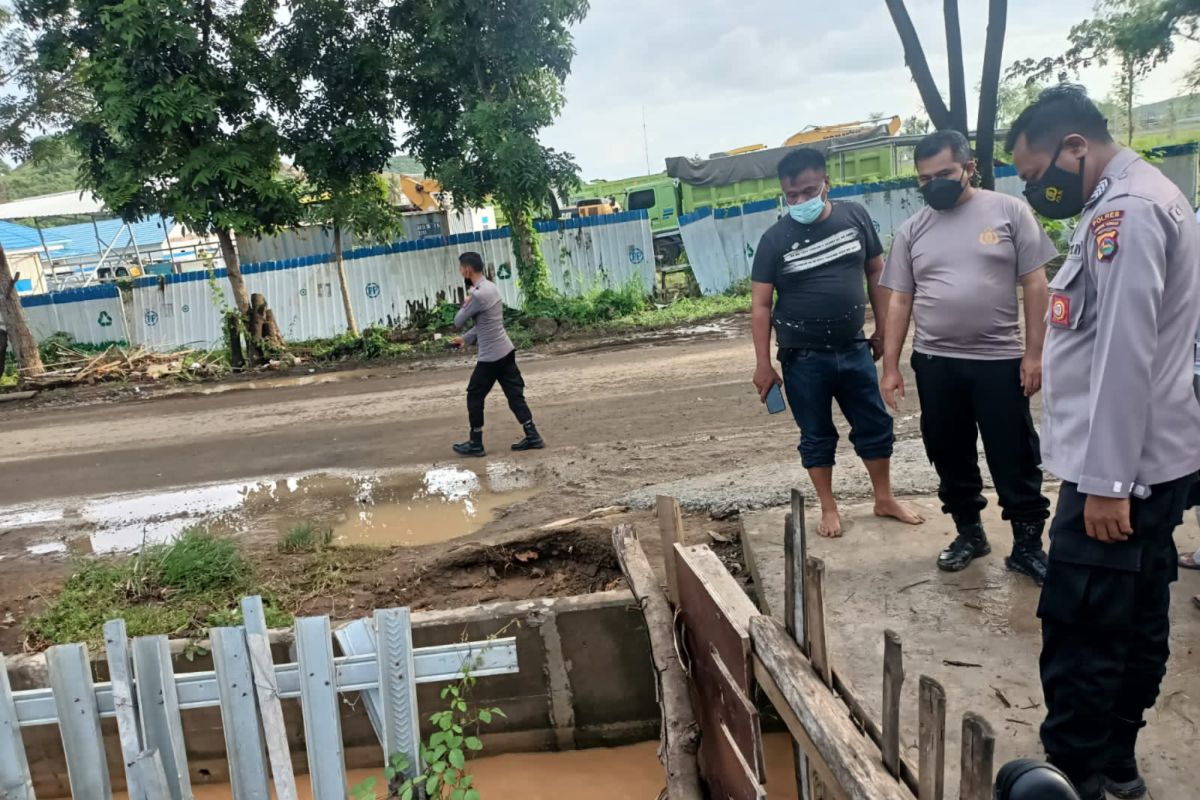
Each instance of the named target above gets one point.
<point>813,379</point>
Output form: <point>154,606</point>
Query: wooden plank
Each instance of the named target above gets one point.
<point>814,618</point>
<point>795,546</point>
<point>932,709</point>
<point>822,783</point>
<point>79,721</point>
<point>715,611</point>
<point>116,645</point>
<point>750,788</point>
<point>670,529</point>
<point>819,718</point>
<point>400,727</point>
<point>266,688</point>
<point>244,747</point>
<point>322,715</point>
<point>158,710</point>
<point>978,754</point>
<point>893,682</point>
<point>150,779</point>
<point>15,780</point>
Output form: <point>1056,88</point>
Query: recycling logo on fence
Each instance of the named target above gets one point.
<point>504,272</point>
<point>151,318</point>
<point>185,308</point>
<point>636,256</point>
<point>105,319</point>
<point>372,289</point>
<point>304,291</point>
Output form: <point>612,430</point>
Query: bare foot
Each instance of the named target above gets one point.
<point>896,510</point>
<point>831,524</point>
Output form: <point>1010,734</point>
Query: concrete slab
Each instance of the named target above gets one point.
<point>883,574</point>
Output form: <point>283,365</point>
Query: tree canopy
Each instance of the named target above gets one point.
<point>477,82</point>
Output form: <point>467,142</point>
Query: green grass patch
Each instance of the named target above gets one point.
<point>179,589</point>
<point>306,538</point>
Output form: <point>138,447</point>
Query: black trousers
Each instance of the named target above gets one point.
<point>1105,624</point>
<point>964,398</point>
<point>485,376</point>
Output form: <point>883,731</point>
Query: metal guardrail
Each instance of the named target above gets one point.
<point>357,673</point>
<point>147,698</point>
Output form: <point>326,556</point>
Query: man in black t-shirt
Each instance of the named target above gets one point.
<point>816,257</point>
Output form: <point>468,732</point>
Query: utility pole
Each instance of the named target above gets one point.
<point>645,139</point>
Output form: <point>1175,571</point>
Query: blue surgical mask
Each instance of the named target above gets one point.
<point>808,212</point>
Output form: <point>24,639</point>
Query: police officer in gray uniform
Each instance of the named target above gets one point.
<point>1120,426</point>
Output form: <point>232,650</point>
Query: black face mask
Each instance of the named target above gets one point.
<point>942,194</point>
<point>1058,194</point>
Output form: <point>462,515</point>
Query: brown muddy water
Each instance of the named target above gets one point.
<point>379,508</point>
<point>618,773</point>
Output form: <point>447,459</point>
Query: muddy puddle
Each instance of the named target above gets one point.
<point>384,509</point>
<point>618,773</point>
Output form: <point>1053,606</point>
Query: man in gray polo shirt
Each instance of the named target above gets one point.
<point>497,359</point>
<point>957,264</point>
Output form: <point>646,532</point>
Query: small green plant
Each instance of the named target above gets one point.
<point>444,755</point>
<point>306,538</point>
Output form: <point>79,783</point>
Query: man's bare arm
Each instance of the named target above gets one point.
<point>762,300</point>
<point>899,314</point>
<point>878,296</point>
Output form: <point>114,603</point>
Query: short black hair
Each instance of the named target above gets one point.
<point>472,260</point>
<point>802,159</point>
<point>952,140</point>
<point>1057,113</point>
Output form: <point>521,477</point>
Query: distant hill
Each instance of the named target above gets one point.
<point>30,179</point>
<point>406,165</point>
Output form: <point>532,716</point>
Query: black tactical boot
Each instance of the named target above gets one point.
<point>532,441</point>
<point>1087,785</point>
<point>1121,775</point>
<point>473,447</point>
<point>1028,557</point>
<point>970,544</point>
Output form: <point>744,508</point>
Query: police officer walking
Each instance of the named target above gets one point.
<point>1121,427</point>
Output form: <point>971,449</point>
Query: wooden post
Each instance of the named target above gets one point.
<point>670,529</point>
<point>814,593</point>
<point>978,753</point>
<point>893,682</point>
<point>794,548</point>
<point>680,732</point>
<point>932,710</point>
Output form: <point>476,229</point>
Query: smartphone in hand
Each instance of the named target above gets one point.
<point>775,402</point>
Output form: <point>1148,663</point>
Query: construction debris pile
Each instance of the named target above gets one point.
<point>71,367</point>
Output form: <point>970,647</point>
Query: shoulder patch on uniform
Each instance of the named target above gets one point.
<point>1060,309</point>
<point>1109,219</point>
<point>1107,244</point>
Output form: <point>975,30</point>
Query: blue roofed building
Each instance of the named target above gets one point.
<point>26,255</point>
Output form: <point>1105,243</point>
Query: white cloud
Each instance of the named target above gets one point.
<point>715,74</point>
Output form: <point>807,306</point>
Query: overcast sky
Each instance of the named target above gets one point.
<point>718,74</point>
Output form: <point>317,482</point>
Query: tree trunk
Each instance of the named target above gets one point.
<point>914,57</point>
<point>351,325</point>
<point>531,268</point>
<point>24,346</point>
<point>954,58</point>
<point>989,93</point>
<point>233,267</point>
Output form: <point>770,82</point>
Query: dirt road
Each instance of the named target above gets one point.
<point>616,419</point>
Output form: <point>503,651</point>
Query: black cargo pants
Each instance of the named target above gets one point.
<point>486,375</point>
<point>963,399</point>
<point>1105,625</point>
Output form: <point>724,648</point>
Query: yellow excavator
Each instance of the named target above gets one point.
<point>421,194</point>
<point>815,133</point>
<point>820,133</point>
